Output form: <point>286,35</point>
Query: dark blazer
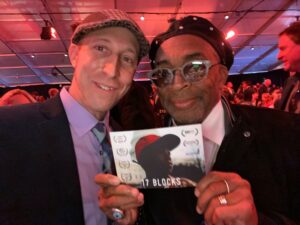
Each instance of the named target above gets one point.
<point>263,147</point>
<point>39,182</point>
<point>287,89</point>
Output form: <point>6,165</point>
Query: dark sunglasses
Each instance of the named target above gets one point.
<point>191,71</point>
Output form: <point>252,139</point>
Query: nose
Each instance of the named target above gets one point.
<point>179,79</point>
<point>111,66</point>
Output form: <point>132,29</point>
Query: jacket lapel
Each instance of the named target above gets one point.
<point>55,132</point>
<point>240,135</point>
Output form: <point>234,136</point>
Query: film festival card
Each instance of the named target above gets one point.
<point>169,157</point>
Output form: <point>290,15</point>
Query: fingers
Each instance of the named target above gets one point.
<point>215,177</point>
<point>239,198</point>
<point>121,196</point>
<point>106,180</point>
<point>242,214</point>
<point>113,194</point>
<point>225,198</point>
<point>217,187</point>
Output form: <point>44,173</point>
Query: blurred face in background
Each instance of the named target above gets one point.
<point>289,53</point>
<point>18,99</point>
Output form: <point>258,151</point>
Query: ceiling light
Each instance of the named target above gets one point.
<point>230,34</point>
<point>226,17</point>
<point>48,31</point>
<point>142,18</point>
<point>252,48</point>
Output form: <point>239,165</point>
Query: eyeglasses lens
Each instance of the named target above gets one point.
<point>194,71</point>
<point>191,71</point>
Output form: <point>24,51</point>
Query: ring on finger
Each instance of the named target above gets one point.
<point>227,186</point>
<point>117,213</point>
<point>223,200</point>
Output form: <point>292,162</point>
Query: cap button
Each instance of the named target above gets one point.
<point>247,134</point>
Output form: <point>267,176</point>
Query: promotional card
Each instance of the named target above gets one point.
<point>170,157</point>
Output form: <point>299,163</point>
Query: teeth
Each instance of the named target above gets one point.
<point>105,88</point>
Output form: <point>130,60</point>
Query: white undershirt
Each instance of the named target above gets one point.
<point>213,130</point>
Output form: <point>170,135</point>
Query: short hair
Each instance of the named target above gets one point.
<point>293,31</point>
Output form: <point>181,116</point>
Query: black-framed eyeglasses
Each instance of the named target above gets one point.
<point>191,71</point>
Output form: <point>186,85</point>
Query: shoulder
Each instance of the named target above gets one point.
<point>28,115</point>
<point>266,117</point>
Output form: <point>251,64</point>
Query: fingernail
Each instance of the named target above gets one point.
<point>114,181</point>
<point>141,198</point>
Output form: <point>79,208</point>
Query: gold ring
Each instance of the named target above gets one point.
<point>227,186</point>
<point>222,200</point>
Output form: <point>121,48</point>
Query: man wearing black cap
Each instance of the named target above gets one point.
<point>252,167</point>
<point>49,154</point>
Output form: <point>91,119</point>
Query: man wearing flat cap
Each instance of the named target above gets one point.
<point>51,152</point>
<point>252,154</point>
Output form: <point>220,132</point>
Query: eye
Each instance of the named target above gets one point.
<point>129,59</point>
<point>101,48</point>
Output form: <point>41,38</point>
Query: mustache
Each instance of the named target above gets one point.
<point>188,94</point>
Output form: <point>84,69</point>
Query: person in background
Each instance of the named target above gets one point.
<point>252,168</point>
<point>37,96</point>
<point>289,54</point>
<point>16,97</point>
<point>49,153</point>
<point>276,96</point>
<point>134,111</point>
<point>52,92</point>
<point>266,87</point>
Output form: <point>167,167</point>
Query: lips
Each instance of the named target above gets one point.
<point>183,103</point>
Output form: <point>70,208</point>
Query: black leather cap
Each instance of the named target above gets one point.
<point>200,27</point>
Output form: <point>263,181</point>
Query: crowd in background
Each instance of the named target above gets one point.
<point>263,94</point>
<point>19,96</point>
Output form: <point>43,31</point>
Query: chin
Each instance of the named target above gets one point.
<point>185,117</point>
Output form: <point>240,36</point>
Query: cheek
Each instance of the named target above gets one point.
<point>126,82</point>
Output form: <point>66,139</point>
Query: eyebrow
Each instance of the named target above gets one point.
<point>128,49</point>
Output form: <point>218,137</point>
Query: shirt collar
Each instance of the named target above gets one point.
<point>213,127</point>
<point>79,118</point>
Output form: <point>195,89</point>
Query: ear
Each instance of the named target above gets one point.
<point>73,53</point>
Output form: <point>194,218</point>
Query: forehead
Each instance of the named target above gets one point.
<point>180,47</point>
<point>120,34</point>
<point>285,40</point>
